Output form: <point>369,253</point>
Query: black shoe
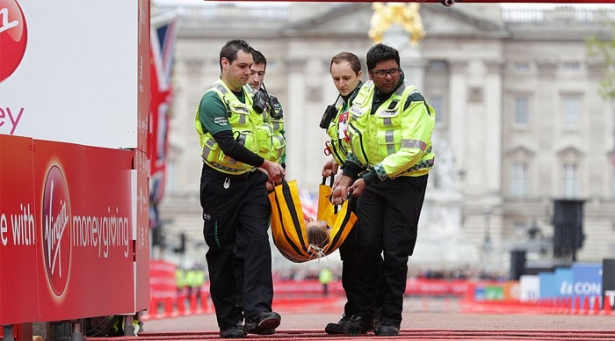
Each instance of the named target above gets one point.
<point>357,325</point>
<point>336,328</point>
<point>387,330</point>
<point>263,324</point>
<point>232,332</point>
<point>377,315</point>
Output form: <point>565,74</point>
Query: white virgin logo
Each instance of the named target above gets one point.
<point>4,23</point>
<point>54,230</point>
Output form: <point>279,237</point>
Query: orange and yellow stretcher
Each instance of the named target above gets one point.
<point>288,222</point>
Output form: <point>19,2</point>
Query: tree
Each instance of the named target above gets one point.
<point>604,47</point>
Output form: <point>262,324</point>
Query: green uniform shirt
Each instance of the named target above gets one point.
<point>213,112</point>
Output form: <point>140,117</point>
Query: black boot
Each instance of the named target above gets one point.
<point>357,325</point>
<point>264,323</point>
<point>387,329</point>
<point>232,332</point>
<point>336,327</point>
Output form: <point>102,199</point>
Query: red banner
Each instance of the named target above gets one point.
<point>74,234</point>
<point>141,232</point>
<point>18,234</point>
<point>67,243</point>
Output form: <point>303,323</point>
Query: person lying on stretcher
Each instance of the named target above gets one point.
<point>317,232</point>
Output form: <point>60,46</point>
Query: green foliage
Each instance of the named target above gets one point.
<point>604,48</point>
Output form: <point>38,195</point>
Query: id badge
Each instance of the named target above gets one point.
<point>342,125</point>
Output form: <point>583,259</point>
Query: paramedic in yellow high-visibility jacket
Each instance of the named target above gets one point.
<point>273,114</point>
<point>235,142</point>
<point>346,73</point>
<point>390,127</point>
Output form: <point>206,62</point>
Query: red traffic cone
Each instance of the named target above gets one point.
<point>559,305</point>
<point>568,305</point>
<point>553,307</point>
<point>607,307</point>
<point>576,308</point>
<point>204,302</point>
<point>168,306</point>
<point>596,309</point>
<point>181,305</point>
<point>586,305</point>
<point>193,303</point>
<point>153,308</point>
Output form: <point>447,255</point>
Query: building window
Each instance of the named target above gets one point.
<point>437,85</point>
<point>522,110</point>
<point>519,180</point>
<point>571,110</point>
<point>437,103</point>
<point>521,66</point>
<point>438,65</point>
<point>570,180</point>
<point>572,66</point>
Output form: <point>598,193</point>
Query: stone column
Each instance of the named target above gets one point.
<point>549,125</point>
<point>458,90</point>
<point>296,136</point>
<point>493,126</point>
<point>492,154</point>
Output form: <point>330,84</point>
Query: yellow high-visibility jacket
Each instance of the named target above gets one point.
<point>396,139</point>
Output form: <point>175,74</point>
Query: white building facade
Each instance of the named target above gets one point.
<point>520,121</point>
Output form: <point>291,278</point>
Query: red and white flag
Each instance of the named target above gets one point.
<point>162,52</point>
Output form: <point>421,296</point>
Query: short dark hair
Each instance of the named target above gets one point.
<point>379,53</point>
<point>258,57</point>
<point>351,58</point>
<point>229,50</point>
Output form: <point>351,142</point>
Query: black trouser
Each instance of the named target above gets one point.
<point>242,209</point>
<point>349,266</point>
<point>238,263</point>
<point>349,269</point>
<point>238,269</point>
<point>388,213</point>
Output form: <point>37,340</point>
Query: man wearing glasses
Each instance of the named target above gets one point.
<point>390,127</point>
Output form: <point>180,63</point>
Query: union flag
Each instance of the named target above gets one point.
<point>163,36</point>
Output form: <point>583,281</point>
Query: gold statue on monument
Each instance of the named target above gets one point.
<point>406,14</point>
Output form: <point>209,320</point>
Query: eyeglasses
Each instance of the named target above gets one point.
<point>383,73</point>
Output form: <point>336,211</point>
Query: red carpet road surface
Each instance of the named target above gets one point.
<point>415,326</point>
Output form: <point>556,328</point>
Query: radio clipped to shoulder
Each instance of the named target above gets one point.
<point>277,113</point>
<point>329,114</point>
<point>259,102</point>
